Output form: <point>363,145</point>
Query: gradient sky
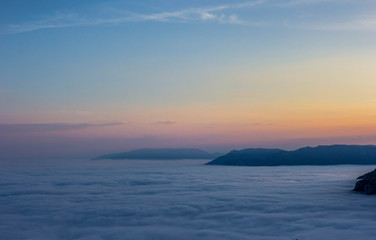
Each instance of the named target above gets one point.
<point>79,78</point>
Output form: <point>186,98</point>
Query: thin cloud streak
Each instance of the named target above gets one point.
<point>50,127</point>
<point>360,24</point>
<point>214,14</point>
<point>164,122</point>
<point>301,2</point>
<point>187,15</point>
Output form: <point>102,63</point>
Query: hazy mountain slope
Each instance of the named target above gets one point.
<point>161,153</point>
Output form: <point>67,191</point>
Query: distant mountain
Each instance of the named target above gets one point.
<point>161,153</point>
<point>321,155</point>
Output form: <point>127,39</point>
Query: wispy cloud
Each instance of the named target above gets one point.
<point>222,14</point>
<point>50,127</point>
<point>368,23</point>
<point>118,16</point>
<point>164,122</point>
<point>357,24</point>
<point>60,20</point>
<point>300,2</point>
<point>204,13</point>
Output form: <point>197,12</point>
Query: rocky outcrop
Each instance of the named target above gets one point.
<point>366,183</point>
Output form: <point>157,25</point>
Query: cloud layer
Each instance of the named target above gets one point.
<point>181,200</point>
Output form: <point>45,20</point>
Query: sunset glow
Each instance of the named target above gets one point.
<point>203,73</point>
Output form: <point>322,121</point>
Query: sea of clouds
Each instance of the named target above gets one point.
<point>182,200</point>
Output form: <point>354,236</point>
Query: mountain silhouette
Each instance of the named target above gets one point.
<point>320,155</point>
<point>161,153</point>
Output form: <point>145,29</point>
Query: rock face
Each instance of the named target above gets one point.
<point>366,183</point>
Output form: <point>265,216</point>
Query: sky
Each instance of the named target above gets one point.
<point>80,78</point>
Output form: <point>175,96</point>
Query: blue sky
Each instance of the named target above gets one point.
<point>232,63</point>
<point>23,16</point>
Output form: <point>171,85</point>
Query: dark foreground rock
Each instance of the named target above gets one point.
<point>366,183</point>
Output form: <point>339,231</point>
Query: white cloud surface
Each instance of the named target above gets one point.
<point>182,200</point>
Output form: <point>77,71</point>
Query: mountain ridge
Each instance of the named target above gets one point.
<point>161,153</point>
<point>319,155</point>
